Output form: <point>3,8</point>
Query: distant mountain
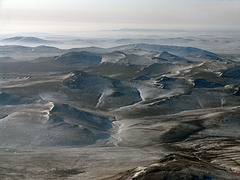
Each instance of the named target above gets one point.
<point>90,49</point>
<point>46,49</point>
<point>6,58</point>
<point>158,69</point>
<point>11,49</point>
<point>175,50</point>
<point>140,54</point>
<point>23,39</point>
<point>135,59</point>
<point>168,57</point>
<point>113,57</point>
<point>209,56</point>
<point>125,40</point>
<point>29,53</point>
<point>80,58</point>
<point>143,30</point>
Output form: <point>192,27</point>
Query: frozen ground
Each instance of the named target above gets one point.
<point>137,111</point>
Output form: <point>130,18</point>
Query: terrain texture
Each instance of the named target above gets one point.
<point>136,111</point>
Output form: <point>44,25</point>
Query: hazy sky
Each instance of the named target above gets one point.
<point>90,15</point>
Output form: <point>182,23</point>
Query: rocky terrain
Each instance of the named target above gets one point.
<point>136,111</point>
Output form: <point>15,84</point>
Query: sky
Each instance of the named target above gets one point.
<point>92,15</point>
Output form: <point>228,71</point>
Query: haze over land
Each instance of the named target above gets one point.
<point>102,90</point>
<point>78,15</point>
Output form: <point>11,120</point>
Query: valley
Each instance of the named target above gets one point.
<point>135,111</point>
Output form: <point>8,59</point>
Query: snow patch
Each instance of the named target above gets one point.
<point>68,75</point>
<point>140,171</point>
<point>212,115</point>
<point>103,95</point>
<point>141,94</point>
<point>46,115</point>
<point>100,100</point>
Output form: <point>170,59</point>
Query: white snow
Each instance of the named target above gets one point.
<point>101,98</point>
<point>117,136</point>
<point>46,115</point>
<point>141,95</point>
<point>212,115</point>
<point>140,170</point>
